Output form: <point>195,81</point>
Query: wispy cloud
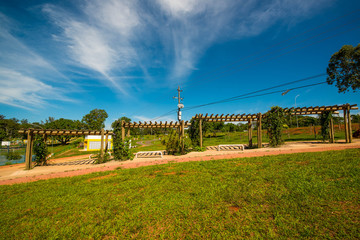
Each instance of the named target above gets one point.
<point>115,39</point>
<point>26,79</point>
<point>26,92</point>
<point>196,25</point>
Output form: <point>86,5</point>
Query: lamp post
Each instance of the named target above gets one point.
<point>297,123</point>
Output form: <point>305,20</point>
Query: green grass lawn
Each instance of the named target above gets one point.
<point>310,195</point>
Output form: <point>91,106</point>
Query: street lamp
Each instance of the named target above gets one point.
<point>297,122</point>
<point>284,93</point>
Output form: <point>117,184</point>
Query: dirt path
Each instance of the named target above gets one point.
<point>16,174</point>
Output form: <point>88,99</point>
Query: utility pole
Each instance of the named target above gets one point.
<point>180,105</point>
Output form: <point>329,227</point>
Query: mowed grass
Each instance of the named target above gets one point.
<point>309,195</point>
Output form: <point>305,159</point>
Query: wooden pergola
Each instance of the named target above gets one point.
<point>55,132</point>
<point>180,125</point>
<point>232,118</point>
<point>293,111</point>
<point>183,124</point>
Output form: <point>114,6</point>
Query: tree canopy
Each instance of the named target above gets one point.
<point>344,68</point>
<point>95,120</point>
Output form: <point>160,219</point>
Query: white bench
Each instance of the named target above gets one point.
<point>232,145</point>
<point>149,153</point>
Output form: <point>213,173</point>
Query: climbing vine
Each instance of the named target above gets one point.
<point>325,118</point>
<point>194,132</point>
<point>122,150</point>
<point>274,122</point>
<point>40,150</point>
<point>174,145</point>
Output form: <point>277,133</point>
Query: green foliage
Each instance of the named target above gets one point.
<point>40,151</point>
<point>274,122</point>
<point>8,128</point>
<point>99,159</point>
<point>199,149</point>
<point>344,68</point>
<point>176,146</point>
<point>95,120</point>
<point>121,148</point>
<point>194,132</point>
<point>13,156</point>
<point>325,118</point>
<point>63,123</point>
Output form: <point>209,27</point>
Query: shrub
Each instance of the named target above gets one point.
<point>121,148</point>
<point>356,134</point>
<point>40,151</point>
<point>274,123</point>
<point>194,132</point>
<point>13,156</point>
<point>99,159</point>
<point>174,145</point>
<point>325,118</point>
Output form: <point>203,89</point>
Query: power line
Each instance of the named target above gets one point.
<point>242,95</point>
<point>261,90</point>
<point>252,96</point>
<point>258,95</point>
<point>286,40</point>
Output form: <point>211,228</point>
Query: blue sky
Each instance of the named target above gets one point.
<point>65,58</point>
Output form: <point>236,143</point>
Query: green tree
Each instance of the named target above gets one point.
<point>66,124</point>
<point>95,120</point>
<point>8,128</point>
<point>344,68</point>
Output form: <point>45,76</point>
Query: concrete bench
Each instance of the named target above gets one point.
<point>241,146</point>
<point>150,154</point>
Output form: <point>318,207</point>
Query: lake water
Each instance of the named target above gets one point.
<point>3,160</point>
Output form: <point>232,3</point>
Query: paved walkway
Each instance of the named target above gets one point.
<point>65,167</point>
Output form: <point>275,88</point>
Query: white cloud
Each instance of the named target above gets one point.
<point>196,25</point>
<point>27,80</point>
<point>118,37</point>
<point>21,91</point>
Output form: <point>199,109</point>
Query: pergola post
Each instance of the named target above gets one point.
<point>332,133</point>
<point>29,146</point>
<point>250,132</point>
<point>128,132</point>
<point>122,131</point>
<point>102,144</point>
<point>346,126</point>
<point>259,132</point>
<point>200,130</point>
<point>349,123</point>
<point>106,141</point>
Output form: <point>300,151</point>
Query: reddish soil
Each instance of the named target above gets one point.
<point>135,164</point>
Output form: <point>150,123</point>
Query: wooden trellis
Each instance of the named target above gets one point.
<point>125,125</point>
<point>54,132</point>
<point>232,118</point>
<point>182,124</point>
<point>293,111</point>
